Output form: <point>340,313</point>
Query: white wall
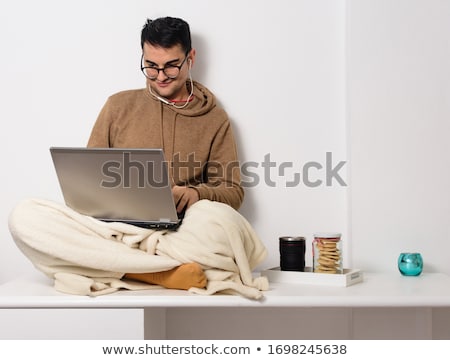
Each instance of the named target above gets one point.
<point>276,66</point>
<point>399,122</point>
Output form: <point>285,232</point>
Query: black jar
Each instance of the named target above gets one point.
<point>292,253</point>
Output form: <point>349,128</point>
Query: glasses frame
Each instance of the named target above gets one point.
<point>163,69</point>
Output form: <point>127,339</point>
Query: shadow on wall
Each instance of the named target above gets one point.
<point>200,70</point>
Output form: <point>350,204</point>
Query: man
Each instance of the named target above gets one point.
<point>180,116</point>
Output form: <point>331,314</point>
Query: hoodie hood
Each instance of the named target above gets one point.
<point>203,101</point>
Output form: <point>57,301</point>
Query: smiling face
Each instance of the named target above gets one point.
<point>159,58</point>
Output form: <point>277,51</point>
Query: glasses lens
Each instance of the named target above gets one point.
<point>171,71</point>
<point>151,73</point>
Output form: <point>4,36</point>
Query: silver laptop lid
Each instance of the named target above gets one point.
<point>113,184</point>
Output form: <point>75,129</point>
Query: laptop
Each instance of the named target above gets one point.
<point>114,184</point>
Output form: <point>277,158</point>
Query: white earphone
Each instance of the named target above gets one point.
<point>165,101</point>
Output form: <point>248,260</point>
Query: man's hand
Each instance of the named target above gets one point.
<point>184,197</point>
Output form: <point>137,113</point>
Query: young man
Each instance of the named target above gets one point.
<point>181,116</point>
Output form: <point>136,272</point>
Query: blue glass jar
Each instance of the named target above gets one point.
<point>410,264</point>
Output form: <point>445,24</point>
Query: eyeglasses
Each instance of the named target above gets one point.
<point>171,71</point>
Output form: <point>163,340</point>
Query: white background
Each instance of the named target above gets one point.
<point>365,80</point>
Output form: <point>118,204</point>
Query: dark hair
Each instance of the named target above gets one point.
<point>167,32</point>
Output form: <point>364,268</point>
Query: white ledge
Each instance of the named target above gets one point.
<point>377,290</point>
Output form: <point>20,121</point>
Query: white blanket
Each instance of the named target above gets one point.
<point>89,257</point>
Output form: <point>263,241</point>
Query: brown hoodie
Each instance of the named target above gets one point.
<point>198,141</point>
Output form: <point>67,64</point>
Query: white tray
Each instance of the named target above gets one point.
<point>349,277</point>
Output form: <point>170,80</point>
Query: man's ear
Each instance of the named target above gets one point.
<point>191,59</point>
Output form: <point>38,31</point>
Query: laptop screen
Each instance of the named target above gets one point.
<point>113,184</point>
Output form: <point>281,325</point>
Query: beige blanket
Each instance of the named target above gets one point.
<point>89,257</point>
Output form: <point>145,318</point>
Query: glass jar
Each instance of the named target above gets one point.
<point>327,253</point>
